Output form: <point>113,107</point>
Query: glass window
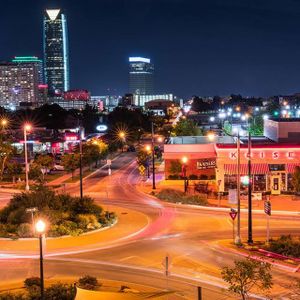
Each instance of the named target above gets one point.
<point>277,167</point>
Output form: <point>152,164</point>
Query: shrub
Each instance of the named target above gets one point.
<point>193,177</point>
<point>88,222</point>
<point>174,196</point>
<point>173,177</point>
<point>88,282</point>
<point>286,245</point>
<point>212,177</point>
<point>31,281</point>
<point>9,296</point>
<point>203,177</point>
<point>25,230</point>
<point>60,291</point>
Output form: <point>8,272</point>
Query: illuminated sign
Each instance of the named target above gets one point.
<point>263,154</point>
<point>206,164</point>
<point>102,128</point>
<point>139,59</point>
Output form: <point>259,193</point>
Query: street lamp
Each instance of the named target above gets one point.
<point>184,162</point>
<point>27,127</point>
<point>122,136</point>
<point>211,136</point>
<point>148,150</point>
<point>40,227</point>
<point>80,163</point>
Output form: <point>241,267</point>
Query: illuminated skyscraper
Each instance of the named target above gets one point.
<point>56,51</point>
<point>140,76</point>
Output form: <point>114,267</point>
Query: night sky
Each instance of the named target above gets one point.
<point>198,47</point>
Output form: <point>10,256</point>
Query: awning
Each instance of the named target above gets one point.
<point>231,169</point>
<point>291,167</point>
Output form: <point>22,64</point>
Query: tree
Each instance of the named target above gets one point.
<point>70,162</point>
<point>143,157</point>
<point>45,163</point>
<point>6,151</point>
<point>185,127</point>
<point>247,274</point>
<point>296,179</point>
<point>94,151</point>
<point>199,105</point>
<point>14,169</point>
<point>175,167</point>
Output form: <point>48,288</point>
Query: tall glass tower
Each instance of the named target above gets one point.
<point>141,76</point>
<point>56,51</point>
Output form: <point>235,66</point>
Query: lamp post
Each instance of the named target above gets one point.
<point>27,127</point>
<point>184,161</point>
<point>40,227</point>
<point>250,238</point>
<point>80,162</point>
<point>153,157</point>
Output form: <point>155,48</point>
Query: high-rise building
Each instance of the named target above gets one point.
<point>32,60</point>
<point>18,84</point>
<point>56,52</point>
<point>141,76</point>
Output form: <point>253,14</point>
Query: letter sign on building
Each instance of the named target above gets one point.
<point>206,164</point>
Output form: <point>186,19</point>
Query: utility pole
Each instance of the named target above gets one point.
<point>250,239</point>
<point>238,181</point>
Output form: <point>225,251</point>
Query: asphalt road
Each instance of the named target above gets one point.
<point>188,236</point>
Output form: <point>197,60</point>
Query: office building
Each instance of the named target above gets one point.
<point>18,84</point>
<point>56,52</point>
<point>141,76</point>
<point>31,60</point>
<point>140,100</point>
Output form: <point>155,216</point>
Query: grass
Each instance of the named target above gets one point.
<point>176,196</point>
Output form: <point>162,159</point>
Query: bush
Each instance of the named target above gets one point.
<point>31,281</point>
<point>88,282</point>
<point>175,196</point>
<point>193,177</point>
<point>60,291</point>
<point>25,230</point>
<point>88,222</point>
<point>285,245</point>
<point>173,177</point>
<point>203,177</point>
<point>9,296</point>
<point>212,177</point>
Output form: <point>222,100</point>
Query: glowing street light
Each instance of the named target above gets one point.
<point>27,127</point>
<point>40,227</point>
<point>211,136</point>
<point>184,160</point>
<point>160,139</point>
<point>148,148</point>
<point>4,122</point>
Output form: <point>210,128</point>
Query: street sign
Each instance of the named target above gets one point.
<point>267,208</point>
<point>142,168</point>
<point>233,214</point>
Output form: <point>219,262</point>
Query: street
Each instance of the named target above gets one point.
<point>189,236</point>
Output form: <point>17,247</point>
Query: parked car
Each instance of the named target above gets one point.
<point>57,167</point>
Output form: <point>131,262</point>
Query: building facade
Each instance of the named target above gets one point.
<point>19,84</point>
<point>141,72</point>
<point>140,100</point>
<point>56,51</point>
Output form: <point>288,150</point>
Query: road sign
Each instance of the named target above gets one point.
<point>267,208</point>
<point>167,265</point>
<point>233,214</point>
<point>142,168</point>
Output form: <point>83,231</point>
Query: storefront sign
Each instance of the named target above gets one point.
<point>206,164</point>
<point>263,154</point>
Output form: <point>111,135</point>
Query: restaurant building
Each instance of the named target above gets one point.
<point>274,158</point>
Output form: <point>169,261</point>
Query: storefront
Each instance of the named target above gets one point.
<point>272,167</point>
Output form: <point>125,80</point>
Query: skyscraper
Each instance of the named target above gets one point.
<point>141,76</point>
<point>56,51</point>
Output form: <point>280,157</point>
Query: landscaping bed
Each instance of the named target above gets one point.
<point>63,214</point>
<point>176,196</point>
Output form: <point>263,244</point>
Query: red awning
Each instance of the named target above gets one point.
<point>231,169</point>
<point>291,167</point>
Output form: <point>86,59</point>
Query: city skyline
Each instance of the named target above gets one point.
<point>197,47</point>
